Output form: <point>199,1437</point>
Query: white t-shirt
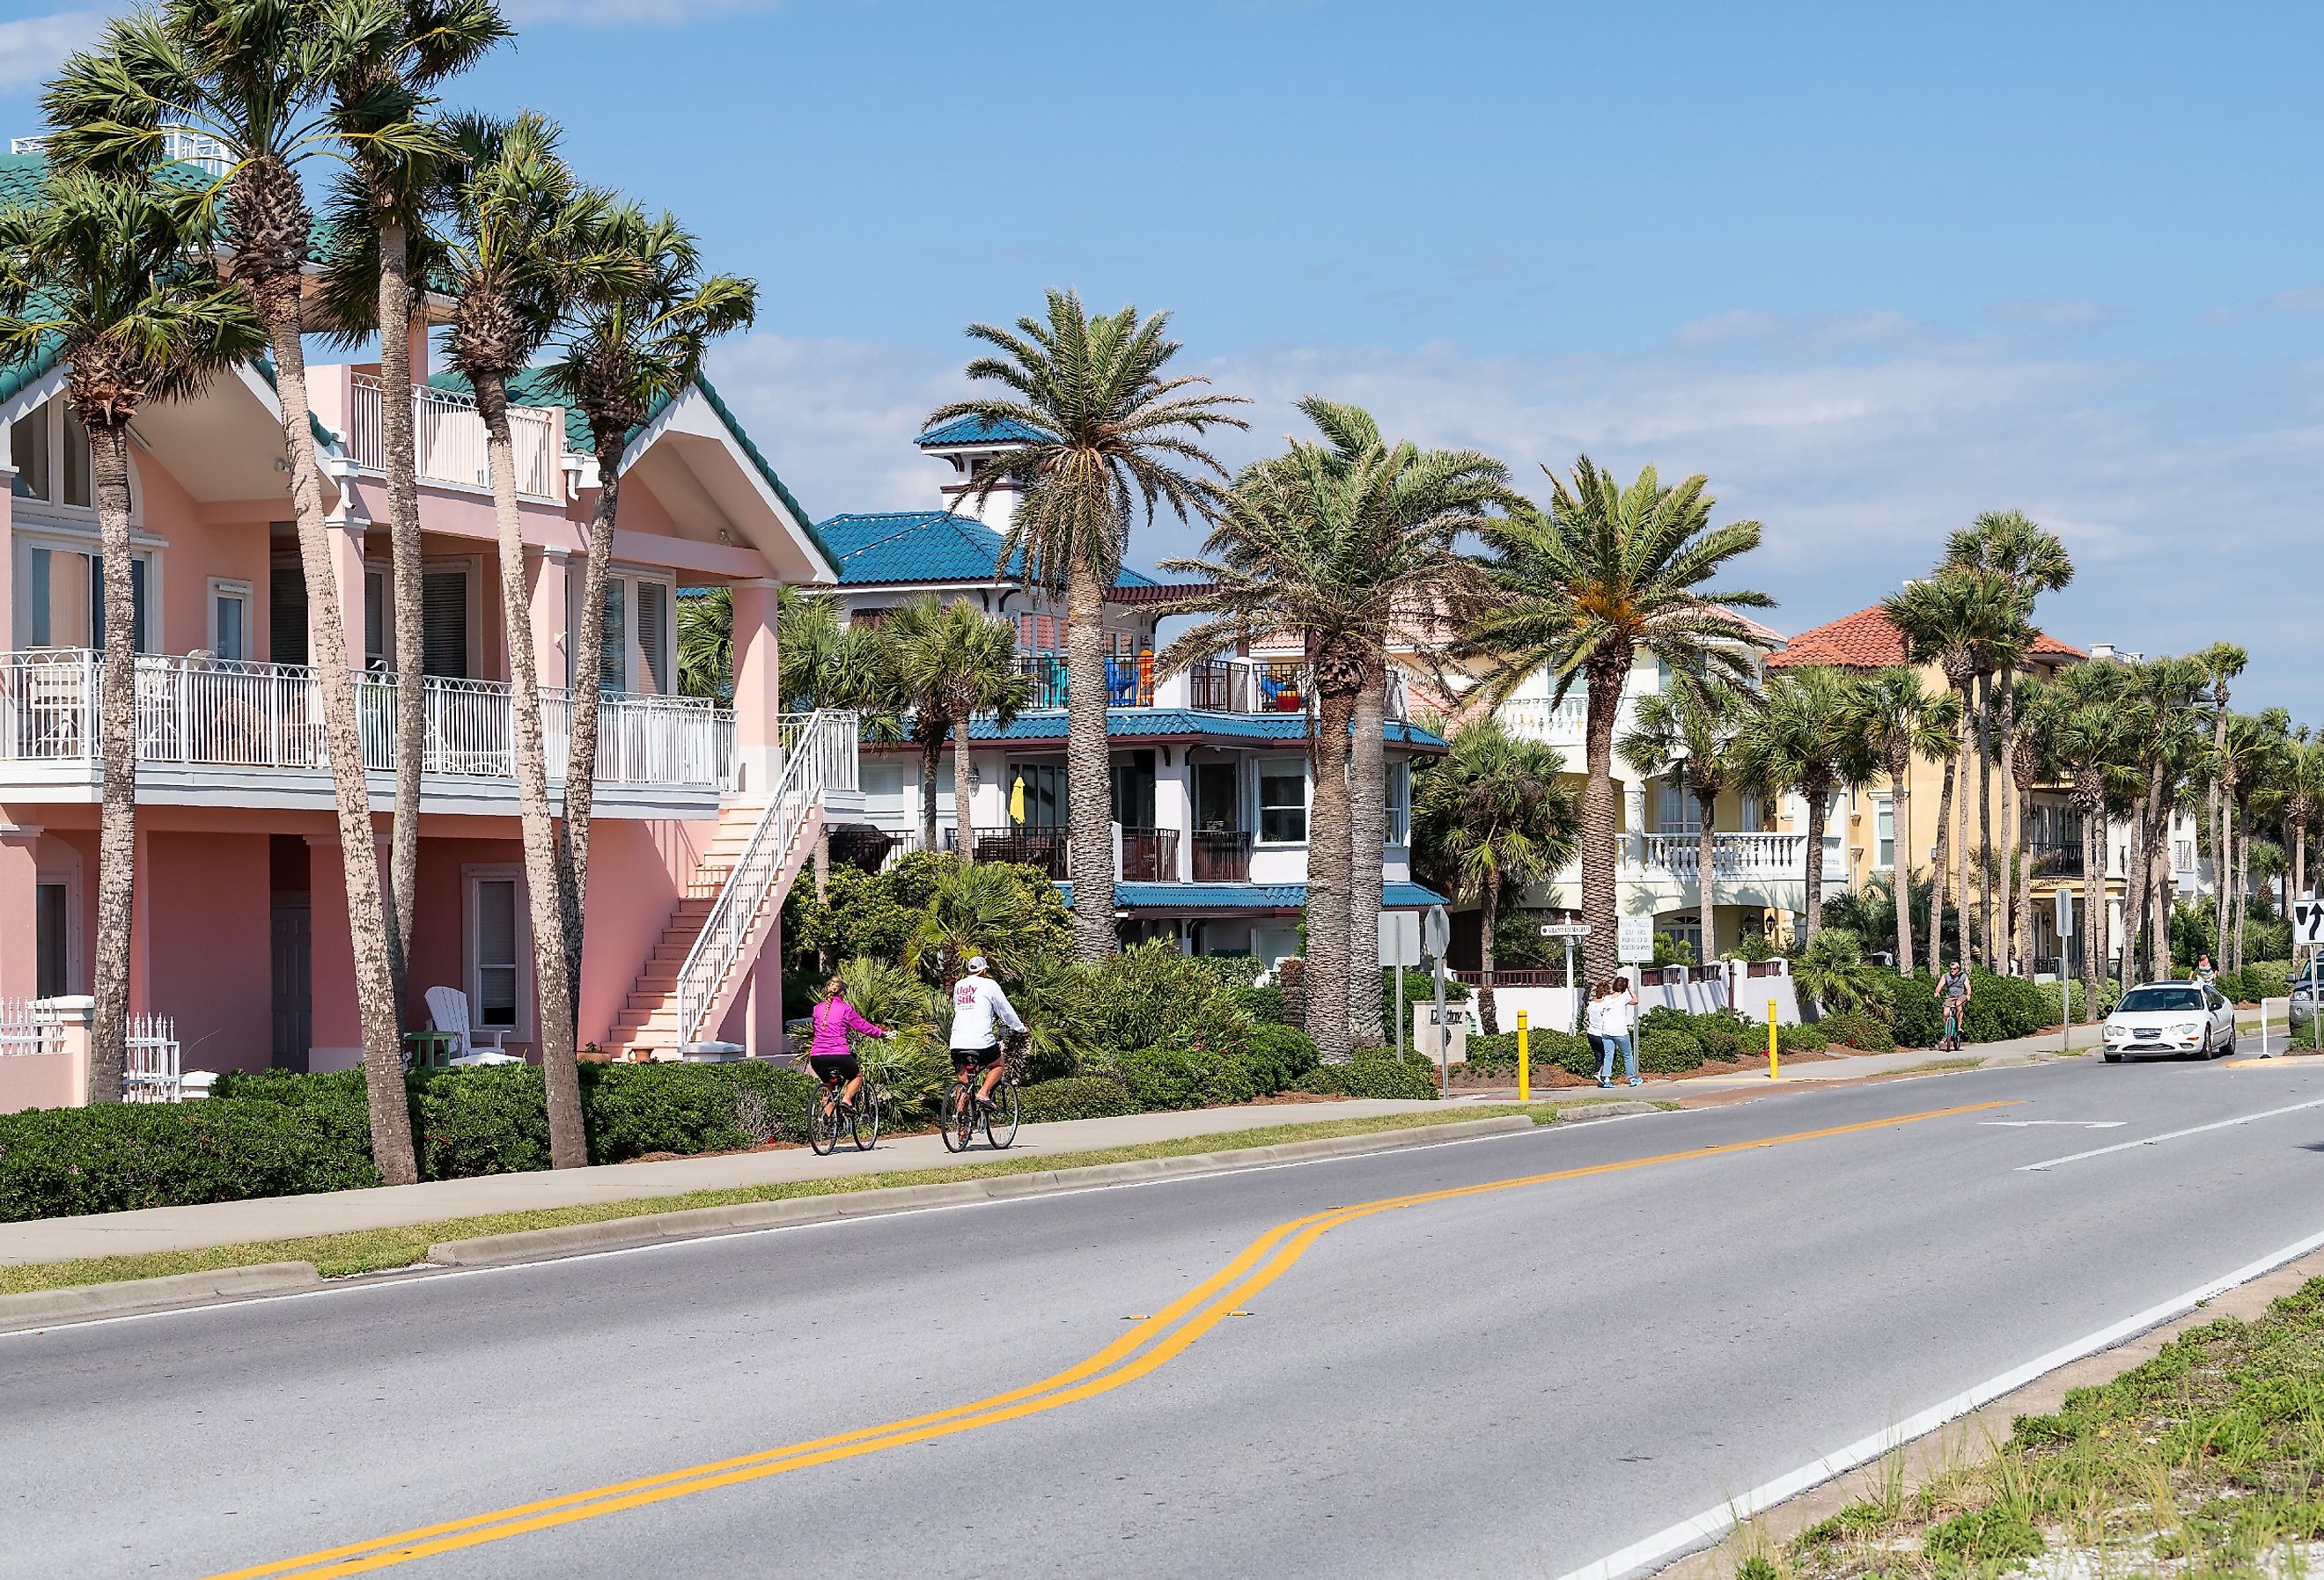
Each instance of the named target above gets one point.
<point>1621,1015</point>
<point>976,1001</point>
<point>1595,1019</point>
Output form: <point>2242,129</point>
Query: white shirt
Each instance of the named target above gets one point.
<point>1595,1018</point>
<point>1621,1015</point>
<point>975,1002</point>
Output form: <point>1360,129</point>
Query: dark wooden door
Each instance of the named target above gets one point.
<point>294,991</point>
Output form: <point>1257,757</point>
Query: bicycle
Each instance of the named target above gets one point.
<point>826,1112</point>
<point>958,1118</point>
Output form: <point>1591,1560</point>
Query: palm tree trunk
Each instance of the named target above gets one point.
<point>401,454</point>
<point>585,703</point>
<point>116,860</point>
<point>1960,841</point>
<point>1329,855</point>
<point>2158,945</point>
<point>2011,944</point>
<point>568,1144</point>
<point>1706,855</point>
<point>2093,899</point>
<point>963,823</point>
<point>2134,902</point>
<point>1819,798</point>
<point>1089,789</point>
<point>2242,836</point>
<point>1985,876</point>
<point>931,753</point>
<point>1900,860</point>
<point>1488,915</point>
<point>1938,859</point>
<point>1367,832</point>
<point>389,1108</point>
<point>2025,897</point>
<point>1597,852</point>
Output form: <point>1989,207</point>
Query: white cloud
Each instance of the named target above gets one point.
<point>32,48</point>
<point>2182,487</point>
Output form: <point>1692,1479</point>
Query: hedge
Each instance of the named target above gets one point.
<point>116,1157</point>
<point>1798,1039</point>
<point>1163,1079</point>
<point>1374,1072</point>
<point>1854,1029</point>
<point>1668,1050</point>
<point>1074,1097</point>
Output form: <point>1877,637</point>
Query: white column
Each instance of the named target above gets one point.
<point>1174,807</point>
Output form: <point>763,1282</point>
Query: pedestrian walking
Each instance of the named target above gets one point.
<point>1593,1026</point>
<point>1953,993</point>
<point>1625,1022</point>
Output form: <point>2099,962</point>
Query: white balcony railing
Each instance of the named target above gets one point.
<point>448,438</point>
<point>1732,855</point>
<point>1538,718</point>
<point>216,713</point>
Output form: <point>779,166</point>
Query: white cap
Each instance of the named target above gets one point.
<point>976,963</point>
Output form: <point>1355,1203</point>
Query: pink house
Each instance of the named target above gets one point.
<point>703,813</point>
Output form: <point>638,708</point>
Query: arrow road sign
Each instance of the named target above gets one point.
<point>2307,922</point>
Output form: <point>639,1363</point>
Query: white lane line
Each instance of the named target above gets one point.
<point>2169,1135</point>
<point>2068,1124</point>
<point>1706,1527</point>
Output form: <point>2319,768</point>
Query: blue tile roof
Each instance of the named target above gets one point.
<point>1245,896</point>
<point>882,548</point>
<point>1140,722</point>
<point>976,429</point>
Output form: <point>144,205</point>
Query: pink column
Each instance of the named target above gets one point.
<point>346,545</point>
<point>19,880</point>
<point>757,694</point>
<point>550,613</point>
<point>336,1034</point>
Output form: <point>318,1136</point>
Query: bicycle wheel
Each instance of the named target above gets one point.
<point>1000,1120</point>
<point>957,1120</point>
<point>865,1127</point>
<point>822,1124</point>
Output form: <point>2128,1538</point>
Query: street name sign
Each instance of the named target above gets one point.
<point>1566,929</point>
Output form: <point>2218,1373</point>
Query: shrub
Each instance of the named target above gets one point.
<point>1669,1050</point>
<point>1546,1049</point>
<point>1230,973</point>
<point>1799,1039</point>
<point>1374,1072</point>
<point>1279,1055</point>
<point>1915,1018</point>
<point>1153,996</point>
<point>1854,1029</point>
<point>2002,1007</point>
<point>1262,1004</point>
<point>1074,1097</point>
<point>116,1157</point>
<point>1727,1036</point>
<point>2264,979</point>
<point>1162,1078</point>
<point>489,1120</point>
<point>634,1110</point>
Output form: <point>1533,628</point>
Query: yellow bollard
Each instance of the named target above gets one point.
<point>1524,1064</point>
<point>1771,1039</point>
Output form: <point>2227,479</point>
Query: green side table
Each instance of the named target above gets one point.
<point>430,1050</point>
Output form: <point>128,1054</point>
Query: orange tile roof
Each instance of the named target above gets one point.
<point>1868,640</point>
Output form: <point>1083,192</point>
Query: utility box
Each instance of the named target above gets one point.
<point>1425,1035</point>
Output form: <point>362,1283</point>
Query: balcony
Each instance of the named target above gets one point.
<point>1221,855</point>
<point>448,438</point>
<point>1734,856</point>
<point>1128,683</point>
<point>2054,859</point>
<point>1538,718</point>
<point>1238,684</point>
<point>1149,855</point>
<point>213,723</point>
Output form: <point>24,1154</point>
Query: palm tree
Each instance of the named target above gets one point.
<point>1108,434</point>
<point>1903,725</point>
<point>114,275</point>
<point>2304,804</point>
<point>1694,733</point>
<point>989,909</point>
<point>2248,766</point>
<point>2093,735</point>
<point>260,78</point>
<point>634,345</point>
<point>2222,661</point>
<point>2030,561</point>
<point>706,643</point>
<point>1808,737</point>
<point>1495,812</point>
<point>1330,552</point>
<point>2172,737</point>
<point>1948,619</point>
<point>1577,590</point>
<point>519,252</point>
<point>1431,488</point>
<point>380,214</point>
<point>943,664</point>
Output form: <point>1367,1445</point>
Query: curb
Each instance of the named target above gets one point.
<point>698,1223</point>
<point>129,1297</point>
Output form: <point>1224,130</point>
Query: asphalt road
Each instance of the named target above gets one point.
<point>1513,1381</point>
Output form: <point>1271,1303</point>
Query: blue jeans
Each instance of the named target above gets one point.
<point>1629,1043</point>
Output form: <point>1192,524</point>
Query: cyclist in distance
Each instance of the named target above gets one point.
<point>829,1054</point>
<point>978,1010</point>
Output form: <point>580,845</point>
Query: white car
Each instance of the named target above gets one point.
<point>2170,1020</point>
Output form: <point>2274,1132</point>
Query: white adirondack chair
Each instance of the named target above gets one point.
<point>447,1011</point>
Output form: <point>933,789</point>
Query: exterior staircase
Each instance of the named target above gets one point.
<point>731,902</point>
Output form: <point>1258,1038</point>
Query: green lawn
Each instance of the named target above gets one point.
<point>2207,1460</point>
<point>377,1249</point>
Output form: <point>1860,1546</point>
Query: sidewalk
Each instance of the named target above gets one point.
<point>282,1217</point>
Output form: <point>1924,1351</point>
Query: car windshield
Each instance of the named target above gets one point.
<point>2147,999</point>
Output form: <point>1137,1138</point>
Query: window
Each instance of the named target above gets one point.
<point>2182,855</point>
<point>286,613</point>
<point>637,653</point>
<point>1399,802</point>
<point>1283,801</point>
<point>884,786</point>
<point>1747,814</point>
<point>1675,811</point>
<point>1217,804</point>
<point>1131,783</point>
<point>1885,819</point>
<point>443,619</point>
<point>1036,795</point>
<point>51,944</point>
<point>229,630</point>
<point>28,452</point>
<point>62,600</point>
<point>76,461</point>
<point>499,977</point>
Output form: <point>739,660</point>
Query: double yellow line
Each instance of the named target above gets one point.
<point>1152,1343</point>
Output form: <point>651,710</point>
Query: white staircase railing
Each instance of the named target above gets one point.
<point>818,757</point>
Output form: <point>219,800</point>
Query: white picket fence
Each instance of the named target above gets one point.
<point>151,1072</point>
<point>25,1028</point>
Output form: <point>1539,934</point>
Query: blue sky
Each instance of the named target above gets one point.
<point>1872,269</point>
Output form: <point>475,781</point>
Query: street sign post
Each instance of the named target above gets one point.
<point>2065,898</point>
<point>1399,932</point>
<point>1437,937</point>
<point>1569,931</point>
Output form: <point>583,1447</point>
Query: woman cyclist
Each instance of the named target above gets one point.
<point>829,1054</point>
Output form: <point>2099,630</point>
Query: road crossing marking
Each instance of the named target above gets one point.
<point>2068,1124</point>
<point>1152,1344</point>
<point>2170,1135</point>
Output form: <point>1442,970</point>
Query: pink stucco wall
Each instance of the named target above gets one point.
<point>637,871</point>
<point>209,946</point>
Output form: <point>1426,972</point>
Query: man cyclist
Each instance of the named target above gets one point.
<point>1953,993</point>
<point>977,1003</point>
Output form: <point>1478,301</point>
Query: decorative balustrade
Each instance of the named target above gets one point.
<point>221,713</point>
<point>1230,685</point>
<point>1732,855</point>
<point>448,438</point>
<point>1221,855</point>
<point>1538,718</point>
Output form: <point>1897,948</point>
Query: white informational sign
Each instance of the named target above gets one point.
<point>1436,932</point>
<point>1633,943</point>
<point>2308,922</point>
<point>1566,929</point>
<point>2065,911</point>
<point>1400,934</point>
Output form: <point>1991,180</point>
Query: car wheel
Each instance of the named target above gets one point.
<point>2227,1050</point>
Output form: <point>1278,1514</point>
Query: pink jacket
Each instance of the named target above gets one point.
<point>835,1018</point>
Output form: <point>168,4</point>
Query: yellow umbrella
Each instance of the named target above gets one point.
<point>1017,800</point>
